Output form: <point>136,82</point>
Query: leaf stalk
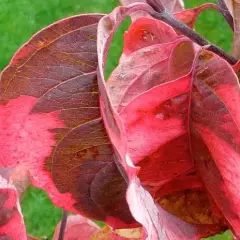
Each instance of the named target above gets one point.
<point>63,225</point>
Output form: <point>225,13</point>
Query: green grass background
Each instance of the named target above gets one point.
<point>19,19</point>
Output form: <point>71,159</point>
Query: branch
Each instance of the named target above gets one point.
<point>225,12</point>
<point>190,33</point>
<point>63,225</point>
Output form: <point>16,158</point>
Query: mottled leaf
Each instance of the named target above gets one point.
<point>11,220</point>
<point>210,121</point>
<point>158,223</point>
<point>215,135</point>
<point>148,67</point>
<point>50,121</point>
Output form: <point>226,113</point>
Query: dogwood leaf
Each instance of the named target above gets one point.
<point>50,121</point>
<point>157,222</point>
<point>11,221</point>
<point>210,121</point>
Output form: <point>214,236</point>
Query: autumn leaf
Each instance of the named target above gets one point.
<point>51,122</point>
<point>211,110</point>
<point>160,116</point>
<point>11,220</point>
<point>157,145</point>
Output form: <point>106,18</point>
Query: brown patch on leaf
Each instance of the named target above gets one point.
<point>205,55</point>
<point>192,206</point>
<point>103,234</point>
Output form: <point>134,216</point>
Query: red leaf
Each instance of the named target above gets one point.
<point>150,66</point>
<point>215,132</point>
<point>175,115</point>
<point>145,32</point>
<point>159,124</point>
<point>158,222</point>
<point>11,220</point>
<point>141,203</point>
<point>213,118</point>
<point>50,122</point>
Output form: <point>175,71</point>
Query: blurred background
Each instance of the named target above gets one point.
<point>20,19</point>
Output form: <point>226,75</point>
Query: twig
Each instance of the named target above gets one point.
<point>63,225</point>
<point>190,33</point>
<point>225,12</point>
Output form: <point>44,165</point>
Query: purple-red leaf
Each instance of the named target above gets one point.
<point>150,66</point>
<point>11,220</point>
<point>158,120</point>
<point>50,121</point>
<point>210,121</point>
<point>143,208</point>
<point>215,121</point>
<point>158,117</point>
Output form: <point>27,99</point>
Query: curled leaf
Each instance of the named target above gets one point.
<point>179,109</point>
<point>212,121</point>
<point>234,8</point>
<point>158,223</point>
